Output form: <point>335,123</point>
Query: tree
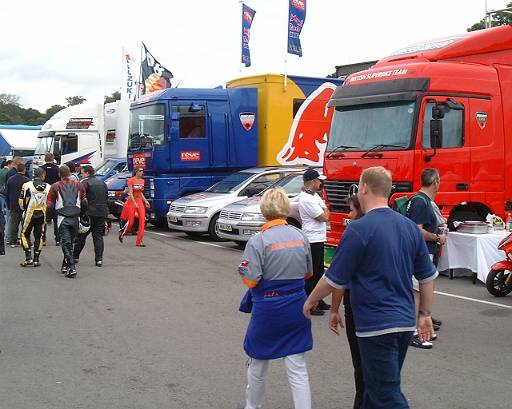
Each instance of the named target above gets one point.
<point>75,100</point>
<point>10,99</point>
<point>52,111</point>
<point>115,96</point>
<point>498,19</point>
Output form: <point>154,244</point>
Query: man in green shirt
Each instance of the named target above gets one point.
<point>3,174</point>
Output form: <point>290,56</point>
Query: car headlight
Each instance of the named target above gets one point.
<point>253,217</point>
<point>196,209</point>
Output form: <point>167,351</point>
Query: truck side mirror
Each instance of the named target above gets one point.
<point>436,133</point>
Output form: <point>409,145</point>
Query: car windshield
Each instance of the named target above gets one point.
<point>363,127</point>
<point>292,185</point>
<point>230,183</point>
<point>106,167</point>
<point>147,126</point>
<point>44,143</point>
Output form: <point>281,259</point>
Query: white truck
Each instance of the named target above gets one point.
<point>85,134</point>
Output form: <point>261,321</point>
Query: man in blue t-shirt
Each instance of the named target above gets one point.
<point>378,255</point>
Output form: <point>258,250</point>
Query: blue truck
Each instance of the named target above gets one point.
<point>189,139</point>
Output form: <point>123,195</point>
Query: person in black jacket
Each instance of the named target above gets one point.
<point>96,192</point>
<point>12,194</point>
<point>52,176</point>
<point>67,199</point>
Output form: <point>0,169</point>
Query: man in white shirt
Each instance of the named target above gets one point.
<point>314,215</point>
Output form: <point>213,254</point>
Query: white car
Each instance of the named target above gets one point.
<point>198,213</point>
<point>241,220</point>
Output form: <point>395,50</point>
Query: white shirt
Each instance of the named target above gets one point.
<point>310,207</point>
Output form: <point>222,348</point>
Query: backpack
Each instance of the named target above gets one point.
<point>403,204</point>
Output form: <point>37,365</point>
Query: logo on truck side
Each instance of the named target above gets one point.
<point>308,135</point>
<point>190,155</point>
<point>139,160</point>
<point>247,120</point>
<point>481,119</point>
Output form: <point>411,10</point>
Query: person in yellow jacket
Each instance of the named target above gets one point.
<point>32,201</point>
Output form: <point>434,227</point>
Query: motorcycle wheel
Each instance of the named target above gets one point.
<point>496,283</point>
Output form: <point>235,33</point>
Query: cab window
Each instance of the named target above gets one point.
<point>261,183</point>
<point>192,120</point>
<point>69,143</point>
<point>452,128</point>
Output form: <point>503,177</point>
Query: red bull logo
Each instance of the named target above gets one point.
<point>308,135</point>
<point>248,16</point>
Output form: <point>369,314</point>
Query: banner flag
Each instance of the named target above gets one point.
<point>155,76</point>
<point>247,18</point>
<point>296,18</point>
<point>128,86</point>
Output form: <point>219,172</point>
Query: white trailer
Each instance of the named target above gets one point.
<point>18,140</point>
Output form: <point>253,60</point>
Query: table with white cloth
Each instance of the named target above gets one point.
<point>475,252</point>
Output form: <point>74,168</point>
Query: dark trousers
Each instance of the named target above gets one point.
<point>2,233</point>
<point>350,329</point>
<point>97,231</point>
<point>68,230</point>
<point>35,222</point>
<point>382,358</point>
<point>317,255</point>
<point>14,225</point>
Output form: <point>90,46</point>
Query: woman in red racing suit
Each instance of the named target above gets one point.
<point>135,206</point>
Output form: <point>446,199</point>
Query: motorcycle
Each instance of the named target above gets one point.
<point>499,279</point>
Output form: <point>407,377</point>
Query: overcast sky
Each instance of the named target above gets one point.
<point>53,49</point>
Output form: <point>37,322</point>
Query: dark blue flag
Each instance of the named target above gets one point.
<point>247,18</point>
<point>296,18</point>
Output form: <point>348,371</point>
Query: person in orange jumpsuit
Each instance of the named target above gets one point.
<point>135,206</point>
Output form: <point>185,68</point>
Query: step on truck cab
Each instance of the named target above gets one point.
<point>444,104</point>
<point>189,139</point>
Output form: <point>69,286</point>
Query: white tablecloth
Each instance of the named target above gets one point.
<point>475,252</point>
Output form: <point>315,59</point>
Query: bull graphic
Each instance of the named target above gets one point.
<point>308,134</point>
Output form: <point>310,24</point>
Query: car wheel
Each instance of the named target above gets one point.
<point>213,229</point>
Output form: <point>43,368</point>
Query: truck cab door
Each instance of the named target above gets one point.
<point>189,134</point>
<point>452,156</point>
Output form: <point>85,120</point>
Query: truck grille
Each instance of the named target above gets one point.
<point>338,191</point>
<point>225,214</point>
<point>177,208</point>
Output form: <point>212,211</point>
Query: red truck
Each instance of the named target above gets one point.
<point>446,104</point>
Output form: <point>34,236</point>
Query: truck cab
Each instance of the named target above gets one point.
<point>186,140</point>
<point>441,104</point>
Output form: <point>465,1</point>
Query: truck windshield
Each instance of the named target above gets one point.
<point>362,127</point>
<point>147,126</point>
<point>44,143</point>
<point>230,183</point>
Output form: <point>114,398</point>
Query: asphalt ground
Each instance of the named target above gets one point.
<point>159,327</point>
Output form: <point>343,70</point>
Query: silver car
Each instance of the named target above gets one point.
<point>198,213</point>
<point>241,220</point>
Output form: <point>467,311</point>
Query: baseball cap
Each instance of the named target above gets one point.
<point>312,174</point>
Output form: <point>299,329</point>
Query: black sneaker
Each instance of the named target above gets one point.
<point>76,261</point>
<point>37,263</point>
<point>99,263</point>
<point>71,273</point>
<point>322,305</point>
<point>317,312</point>
<point>64,269</point>
<point>436,327</point>
<point>57,243</point>
<point>437,322</point>
<point>27,263</point>
<point>2,253</point>
<point>120,236</point>
<point>416,343</point>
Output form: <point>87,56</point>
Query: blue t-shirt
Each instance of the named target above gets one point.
<point>378,255</point>
<point>421,212</point>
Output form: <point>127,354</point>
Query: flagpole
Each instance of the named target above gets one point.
<point>286,53</point>
<point>242,34</point>
<point>140,70</point>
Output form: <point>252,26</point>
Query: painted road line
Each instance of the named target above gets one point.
<point>193,241</point>
<point>474,300</point>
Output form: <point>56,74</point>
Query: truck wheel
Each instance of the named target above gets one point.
<point>213,230</point>
<point>496,283</point>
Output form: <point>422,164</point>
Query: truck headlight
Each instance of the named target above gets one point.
<point>253,217</point>
<point>196,209</point>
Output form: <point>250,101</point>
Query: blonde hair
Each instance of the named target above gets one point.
<point>275,204</point>
<point>378,180</point>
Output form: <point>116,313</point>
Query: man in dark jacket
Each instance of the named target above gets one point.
<point>52,176</point>
<point>96,192</point>
<point>67,200</point>
<point>13,170</point>
<point>12,194</point>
